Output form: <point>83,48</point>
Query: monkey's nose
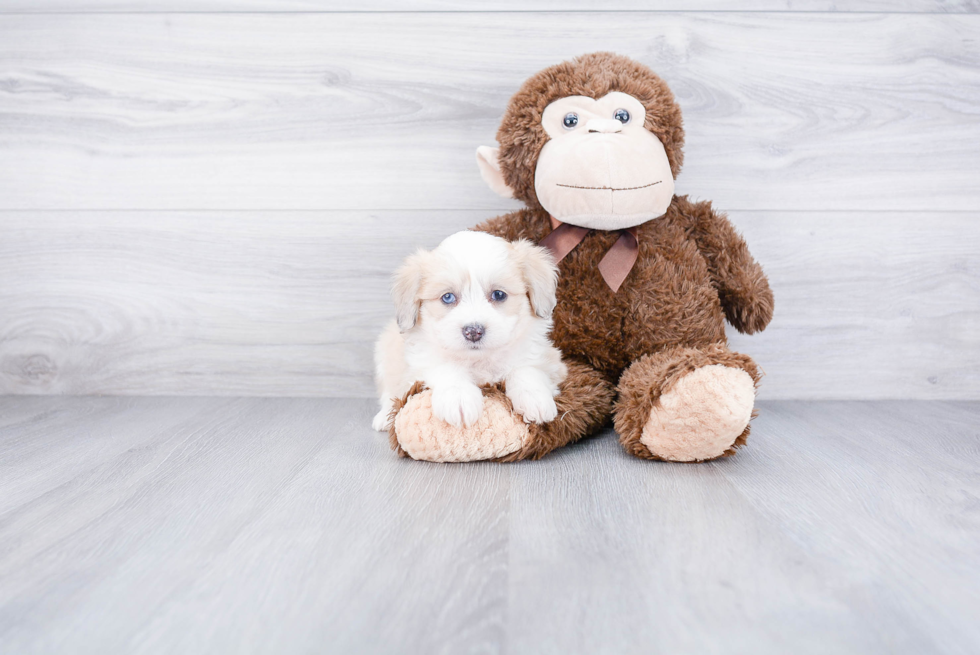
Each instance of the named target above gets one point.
<point>473,332</point>
<point>604,126</point>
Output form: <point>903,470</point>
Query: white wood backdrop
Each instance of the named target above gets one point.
<point>211,202</point>
<point>457,6</point>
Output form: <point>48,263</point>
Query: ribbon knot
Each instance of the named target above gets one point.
<point>616,264</point>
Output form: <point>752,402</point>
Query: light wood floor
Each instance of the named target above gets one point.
<point>220,525</point>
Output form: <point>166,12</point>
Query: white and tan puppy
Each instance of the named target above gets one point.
<point>474,311</point>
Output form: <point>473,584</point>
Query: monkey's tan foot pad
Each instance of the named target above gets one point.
<point>702,416</point>
<point>417,433</point>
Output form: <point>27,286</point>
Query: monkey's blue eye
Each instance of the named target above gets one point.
<point>498,295</point>
<point>570,120</point>
<point>622,116</point>
<point>449,298</point>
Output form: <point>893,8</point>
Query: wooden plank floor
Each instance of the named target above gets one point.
<point>219,525</point>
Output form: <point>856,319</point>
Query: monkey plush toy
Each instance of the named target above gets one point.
<point>592,147</point>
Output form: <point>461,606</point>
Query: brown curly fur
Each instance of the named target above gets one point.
<point>584,403</point>
<point>693,271</point>
<point>670,298</point>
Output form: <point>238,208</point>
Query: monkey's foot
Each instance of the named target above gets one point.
<point>584,403</point>
<point>688,406</point>
<point>701,416</point>
<point>417,433</point>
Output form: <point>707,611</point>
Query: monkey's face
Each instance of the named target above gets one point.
<point>605,159</point>
<point>601,168</point>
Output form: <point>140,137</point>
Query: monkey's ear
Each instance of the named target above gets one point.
<point>405,286</point>
<point>488,159</point>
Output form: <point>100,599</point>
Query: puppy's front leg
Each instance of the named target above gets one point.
<point>380,422</point>
<point>533,394</point>
<point>455,399</point>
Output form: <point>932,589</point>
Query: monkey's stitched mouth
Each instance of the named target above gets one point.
<point>608,188</point>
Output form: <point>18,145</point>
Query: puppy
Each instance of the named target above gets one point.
<point>474,311</point>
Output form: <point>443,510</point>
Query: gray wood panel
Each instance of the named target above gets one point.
<point>289,303</point>
<point>805,542</point>
<point>370,111</point>
<point>162,525</point>
<point>279,6</point>
<point>272,303</point>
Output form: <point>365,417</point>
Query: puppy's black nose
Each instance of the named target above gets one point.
<point>473,332</point>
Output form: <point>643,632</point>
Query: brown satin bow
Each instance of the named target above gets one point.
<point>616,264</point>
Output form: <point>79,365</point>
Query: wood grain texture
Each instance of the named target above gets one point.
<point>289,303</point>
<point>280,6</point>
<point>804,542</point>
<point>162,525</point>
<point>277,303</point>
<point>201,496</point>
<point>370,111</point>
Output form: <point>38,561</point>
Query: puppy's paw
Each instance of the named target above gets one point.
<point>458,405</point>
<point>535,403</point>
<point>380,422</point>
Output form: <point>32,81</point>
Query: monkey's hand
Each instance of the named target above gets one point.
<point>742,286</point>
<point>747,300</point>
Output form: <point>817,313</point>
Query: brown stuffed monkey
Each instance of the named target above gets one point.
<point>647,278</point>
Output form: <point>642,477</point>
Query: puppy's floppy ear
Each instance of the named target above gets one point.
<point>405,286</point>
<point>540,275</point>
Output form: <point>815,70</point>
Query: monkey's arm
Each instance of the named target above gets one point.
<point>742,286</point>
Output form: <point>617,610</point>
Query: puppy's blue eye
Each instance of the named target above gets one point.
<point>498,296</point>
<point>570,120</point>
<point>449,298</point>
<point>622,116</point>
